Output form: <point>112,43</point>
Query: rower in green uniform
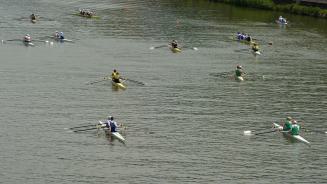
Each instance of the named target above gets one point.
<point>288,124</point>
<point>239,71</point>
<point>295,128</point>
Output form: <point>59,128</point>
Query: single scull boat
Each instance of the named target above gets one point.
<point>116,135</point>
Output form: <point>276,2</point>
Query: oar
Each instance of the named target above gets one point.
<point>138,82</point>
<point>94,128</point>
<point>81,126</point>
<point>249,132</point>
<point>45,41</point>
<point>316,131</point>
<point>193,48</point>
<point>156,47</point>
<point>13,40</point>
<point>97,81</point>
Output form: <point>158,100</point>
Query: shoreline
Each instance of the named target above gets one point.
<point>293,8</point>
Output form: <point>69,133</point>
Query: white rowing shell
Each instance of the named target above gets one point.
<point>117,135</point>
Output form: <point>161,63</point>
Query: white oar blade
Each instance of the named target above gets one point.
<point>247,132</point>
<point>194,48</point>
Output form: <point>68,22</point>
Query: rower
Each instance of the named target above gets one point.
<point>295,128</point>
<point>281,19</point>
<point>115,76</point>
<point>248,38</point>
<point>255,47</point>
<point>33,17</point>
<point>239,35</point>
<point>56,34</point>
<point>287,125</point>
<point>174,44</point>
<point>239,71</point>
<point>61,36</point>
<point>110,123</point>
<point>27,38</point>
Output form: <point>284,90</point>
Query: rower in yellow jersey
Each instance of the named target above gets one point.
<point>116,80</point>
<point>255,47</point>
<point>115,76</point>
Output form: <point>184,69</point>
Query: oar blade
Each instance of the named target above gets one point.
<point>247,132</point>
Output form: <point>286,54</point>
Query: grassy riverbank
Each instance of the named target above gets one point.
<point>289,8</point>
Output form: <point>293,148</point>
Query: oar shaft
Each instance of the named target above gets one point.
<point>82,126</point>
<point>105,78</point>
<point>94,128</point>
<point>260,133</point>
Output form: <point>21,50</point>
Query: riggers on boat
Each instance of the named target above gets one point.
<point>116,135</point>
<point>119,85</point>
<point>293,137</point>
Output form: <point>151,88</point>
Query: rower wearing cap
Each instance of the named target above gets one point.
<point>239,71</point>
<point>110,123</point>
<point>288,124</point>
<point>27,38</point>
<point>61,35</point>
<point>115,76</point>
<point>295,128</point>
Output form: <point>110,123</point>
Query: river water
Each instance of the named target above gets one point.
<point>185,125</point>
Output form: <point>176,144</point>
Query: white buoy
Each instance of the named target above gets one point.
<point>51,43</point>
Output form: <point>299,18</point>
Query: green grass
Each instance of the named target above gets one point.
<point>289,8</point>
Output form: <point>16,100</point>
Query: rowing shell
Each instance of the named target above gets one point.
<point>28,43</point>
<point>287,134</point>
<point>62,40</point>
<point>239,78</point>
<point>116,135</point>
<point>87,16</point>
<point>175,50</point>
<point>118,84</point>
<point>282,23</point>
<point>256,52</point>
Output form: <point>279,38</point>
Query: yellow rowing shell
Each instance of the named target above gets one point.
<point>175,50</point>
<point>118,85</point>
